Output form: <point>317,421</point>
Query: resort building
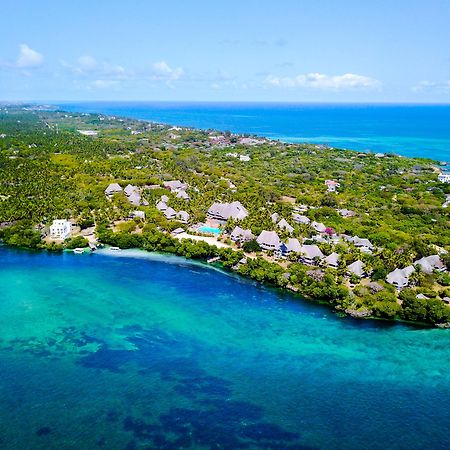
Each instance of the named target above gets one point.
<point>400,277</point>
<point>138,214</point>
<point>183,194</point>
<point>183,216</point>
<point>332,185</point>
<point>357,268</point>
<point>444,177</point>
<point>175,185</point>
<point>302,220</point>
<point>224,211</point>
<point>346,212</point>
<point>112,189</point>
<point>283,225</point>
<point>291,246</point>
<point>134,198</point>
<point>318,226</point>
<point>332,260</point>
<point>310,254</point>
<point>430,263</point>
<point>241,235</point>
<point>161,206</point>
<point>130,189</point>
<point>275,217</point>
<point>268,240</point>
<point>60,229</point>
<point>170,213</point>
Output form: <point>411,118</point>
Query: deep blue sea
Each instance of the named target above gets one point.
<point>409,130</point>
<point>132,350</point>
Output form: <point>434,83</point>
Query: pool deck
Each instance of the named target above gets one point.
<point>211,240</point>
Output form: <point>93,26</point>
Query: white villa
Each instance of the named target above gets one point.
<point>310,254</point>
<point>284,225</point>
<point>183,194</point>
<point>175,185</point>
<point>318,226</point>
<point>400,277</point>
<point>298,218</point>
<point>269,240</point>
<point>357,268</point>
<point>430,263</point>
<point>444,177</point>
<point>60,229</point>
<point>112,189</point>
<point>240,235</point>
<point>170,213</point>
<point>332,260</point>
<point>332,185</point>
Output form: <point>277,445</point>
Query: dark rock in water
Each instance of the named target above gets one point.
<point>131,445</point>
<point>359,314</point>
<point>43,431</point>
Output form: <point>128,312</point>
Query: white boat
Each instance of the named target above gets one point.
<point>114,249</point>
<point>78,250</point>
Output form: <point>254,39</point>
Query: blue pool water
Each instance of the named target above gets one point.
<point>132,350</point>
<point>409,130</point>
<point>205,229</point>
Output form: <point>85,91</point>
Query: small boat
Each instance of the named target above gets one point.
<point>78,250</point>
<point>114,249</point>
<point>212,260</point>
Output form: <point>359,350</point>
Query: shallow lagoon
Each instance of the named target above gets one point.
<point>153,351</point>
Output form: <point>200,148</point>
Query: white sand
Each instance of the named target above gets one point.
<point>208,239</point>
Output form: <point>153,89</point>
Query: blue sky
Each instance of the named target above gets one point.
<point>226,50</point>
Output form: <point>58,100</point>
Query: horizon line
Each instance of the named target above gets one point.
<point>287,102</point>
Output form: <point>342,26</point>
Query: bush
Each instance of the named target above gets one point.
<point>21,235</point>
<point>251,246</point>
<point>76,242</point>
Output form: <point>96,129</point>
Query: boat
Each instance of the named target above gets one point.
<point>212,260</point>
<point>114,249</point>
<point>78,250</point>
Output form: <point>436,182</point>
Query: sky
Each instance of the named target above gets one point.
<point>226,50</point>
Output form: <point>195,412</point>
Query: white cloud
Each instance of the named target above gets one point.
<point>429,86</point>
<point>325,82</point>
<point>104,84</point>
<point>28,58</point>
<point>87,65</point>
<point>161,71</point>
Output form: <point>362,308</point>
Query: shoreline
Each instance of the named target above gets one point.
<point>161,256</point>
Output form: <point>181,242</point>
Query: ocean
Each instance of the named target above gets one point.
<point>131,350</point>
<point>408,130</point>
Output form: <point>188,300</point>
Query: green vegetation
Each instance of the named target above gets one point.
<point>48,170</point>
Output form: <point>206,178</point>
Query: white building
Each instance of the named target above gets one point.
<point>444,177</point>
<point>60,229</point>
<point>332,185</point>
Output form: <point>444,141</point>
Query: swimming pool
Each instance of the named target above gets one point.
<point>206,229</point>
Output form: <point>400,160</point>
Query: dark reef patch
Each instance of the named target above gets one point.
<point>43,431</point>
<point>212,420</point>
<point>212,428</point>
<point>62,342</point>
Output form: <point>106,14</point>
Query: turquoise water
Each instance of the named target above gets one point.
<point>130,350</point>
<point>409,130</point>
<point>206,229</point>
